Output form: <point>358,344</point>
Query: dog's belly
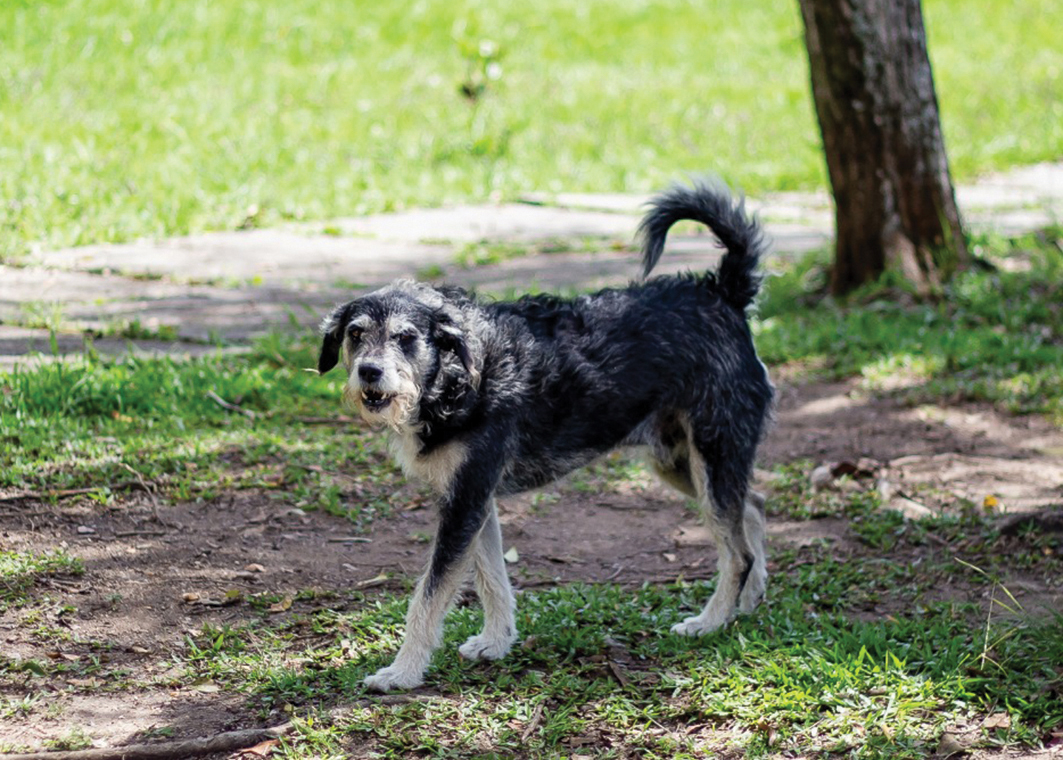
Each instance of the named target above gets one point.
<point>537,472</point>
<point>533,468</point>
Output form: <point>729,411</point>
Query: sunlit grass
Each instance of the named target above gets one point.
<point>19,572</point>
<point>124,118</point>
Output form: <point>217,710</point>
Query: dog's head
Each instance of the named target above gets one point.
<point>404,346</point>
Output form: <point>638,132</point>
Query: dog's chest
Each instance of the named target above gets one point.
<point>436,468</point>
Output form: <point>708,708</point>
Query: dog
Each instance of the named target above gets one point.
<point>485,399</point>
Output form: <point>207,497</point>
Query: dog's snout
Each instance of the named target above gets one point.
<point>369,373</point>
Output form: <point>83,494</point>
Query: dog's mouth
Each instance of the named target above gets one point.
<point>375,401</point>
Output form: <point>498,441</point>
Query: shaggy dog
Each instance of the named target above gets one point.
<point>485,399</point>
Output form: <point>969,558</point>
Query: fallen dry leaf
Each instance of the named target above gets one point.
<point>618,673</point>
<point>949,746</point>
<point>283,605</point>
<point>693,535</point>
<point>376,581</point>
<point>232,596</point>
<point>511,556</point>
<point>997,720</point>
<point>262,749</point>
<point>90,683</point>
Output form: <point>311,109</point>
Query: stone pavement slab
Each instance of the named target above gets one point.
<point>256,256</point>
<point>230,287</point>
<point>513,222</point>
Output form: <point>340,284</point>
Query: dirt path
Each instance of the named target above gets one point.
<point>147,585</point>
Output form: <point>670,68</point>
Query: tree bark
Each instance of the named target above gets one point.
<point>895,207</point>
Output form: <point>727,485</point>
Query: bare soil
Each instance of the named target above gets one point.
<point>131,607</point>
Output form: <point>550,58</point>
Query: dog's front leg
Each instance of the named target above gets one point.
<point>496,596</point>
<point>462,517</point>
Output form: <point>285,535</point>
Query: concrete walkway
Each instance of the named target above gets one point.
<point>184,295</point>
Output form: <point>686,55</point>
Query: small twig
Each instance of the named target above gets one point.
<point>66,493</point>
<point>350,540</point>
<point>209,745</point>
<point>151,495</point>
<point>337,420</point>
<point>333,473</point>
<point>230,406</point>
<point>42,495</point>
<point>536,719</point>
<point>128,533</point>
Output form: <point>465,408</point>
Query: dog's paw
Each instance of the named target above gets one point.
<point>481,647</point>
<point>392,678</point>
<point>706,622</point>
<point>693,626</point>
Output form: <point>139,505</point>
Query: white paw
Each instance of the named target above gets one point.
<point>706,622</point>
<point>481,647</point>
<point>753,593</point>
<point>392,678</point>
<point>692,626</point>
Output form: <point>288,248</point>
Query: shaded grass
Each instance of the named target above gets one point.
<point>598,664</point>
<point>125,118</point>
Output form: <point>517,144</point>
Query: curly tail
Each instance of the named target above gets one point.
<point>711,203</point>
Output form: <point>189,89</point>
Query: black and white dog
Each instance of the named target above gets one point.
<point>486,399</point>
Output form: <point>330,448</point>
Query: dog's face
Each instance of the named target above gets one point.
<point>398,345</point>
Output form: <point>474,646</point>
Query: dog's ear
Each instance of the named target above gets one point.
<point>332,338</point>
<point>450,336</point>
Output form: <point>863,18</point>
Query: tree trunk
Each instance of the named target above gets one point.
<point>874,93</point>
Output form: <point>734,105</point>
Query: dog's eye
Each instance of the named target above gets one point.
<point>355,333</point>
<point>406,339</point>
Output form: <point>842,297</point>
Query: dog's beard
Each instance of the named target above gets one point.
<point>397,413</point>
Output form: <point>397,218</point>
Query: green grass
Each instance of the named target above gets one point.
<point>20,572</point>
<point>802,675</point>
<point>867,652</point>
<point>124,118</point>
<point>994,335</point>
<point>104,423</point>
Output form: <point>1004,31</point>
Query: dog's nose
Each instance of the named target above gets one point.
<point>369,373</point>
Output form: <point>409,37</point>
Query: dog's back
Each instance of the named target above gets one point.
<point>615,366</point>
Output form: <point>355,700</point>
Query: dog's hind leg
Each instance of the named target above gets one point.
<point>496,596</point>
<point>757,583</point>
<point>722,488</point>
